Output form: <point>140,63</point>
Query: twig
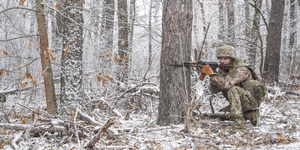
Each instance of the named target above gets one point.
<point>190,135</point>
<point>210,103</point>
<point>144,78</point>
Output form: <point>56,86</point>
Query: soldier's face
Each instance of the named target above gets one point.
<point>224,60</point>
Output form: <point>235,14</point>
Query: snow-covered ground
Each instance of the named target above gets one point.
<point>279,128</point>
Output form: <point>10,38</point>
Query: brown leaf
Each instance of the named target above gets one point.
<point>57,6</point>
<point>24,84</point>
<point>30,43</point>
<point>4,52</point>
<point>53,57</point>
<point>122,42</point>
<point>44,74</point>
<point>127,56</point>
<point>25,120</point>
<point>34,81</point>
<point>67,49</point>
<point>83,1</point>
<point>281,136</point>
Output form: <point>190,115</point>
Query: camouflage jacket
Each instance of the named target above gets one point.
<point>224,81</point>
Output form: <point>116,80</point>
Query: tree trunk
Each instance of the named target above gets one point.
<point>71,63</point>
<point>150,32</point>
<point>108,34</point>
<point>131,21</point>
<point>293,30</point>
<point>123,39</point>
<point>272,59</point>
<point>175,83</point>
<point>221,34</point>
<point>254,34</point>
<point>231,28</point>
<point>46,64</point>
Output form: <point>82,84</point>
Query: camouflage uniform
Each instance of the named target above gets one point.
<point>231,83</point>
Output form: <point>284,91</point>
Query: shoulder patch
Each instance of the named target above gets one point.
<point>234,73</point>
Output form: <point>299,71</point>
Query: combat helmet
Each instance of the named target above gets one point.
<point>226,51</point>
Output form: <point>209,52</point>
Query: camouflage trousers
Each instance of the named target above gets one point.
<point>242,105</point>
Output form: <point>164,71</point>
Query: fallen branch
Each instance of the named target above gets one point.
<point>41,128</point>
<point>114,147</point>
<point>92,143</point>
<point>55,116</point>
<point>115,111</point>
<point>190,135</point>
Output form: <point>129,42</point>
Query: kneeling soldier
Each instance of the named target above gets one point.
<point>240,86</point>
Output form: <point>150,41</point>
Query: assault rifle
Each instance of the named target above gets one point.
<point>199,64</point>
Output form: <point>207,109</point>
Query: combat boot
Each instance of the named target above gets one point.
<point>253,116</point>
<point>239,123</point>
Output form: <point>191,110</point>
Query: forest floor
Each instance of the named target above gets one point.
<point>279,128</point>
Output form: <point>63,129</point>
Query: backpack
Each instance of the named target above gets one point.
<point>256,87</point>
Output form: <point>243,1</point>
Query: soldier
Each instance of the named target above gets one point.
<point>238,86</point>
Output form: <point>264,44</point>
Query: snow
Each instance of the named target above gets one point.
<point>279,129</point>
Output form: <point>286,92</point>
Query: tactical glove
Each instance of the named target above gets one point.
<point>206,69</point>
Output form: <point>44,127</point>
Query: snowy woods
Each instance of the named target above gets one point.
<point>96,74</point>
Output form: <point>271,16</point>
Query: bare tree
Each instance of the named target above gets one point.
<point>108,25</point>
<point>255,33</point>
<point>46,64</point>
<point>175,84</point>
<point>272,58</point>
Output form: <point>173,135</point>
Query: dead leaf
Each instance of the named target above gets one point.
<point>44,74</point>
<point>24,84</point>
<point>127,56</point>
<point>122,42</point>
<point>57,6</point>
<point>2,131</point>
<point>67,49</point>
<point>53,57</point>
<point>25,120</point>
<point>30,43</point>
<point>281,136</point>
<point>4,52</point>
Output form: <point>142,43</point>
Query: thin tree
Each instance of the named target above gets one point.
<point>108,25</point>
<point>231,27</point>
<point>71,63</point>
<point>175,83</point>
<point>221,34</point>
<point>46,64</point>
<point>123,39</point>
<point>293,28</point>
<point>255,33</point>
<point>272,59</point>
<point>150,32</point>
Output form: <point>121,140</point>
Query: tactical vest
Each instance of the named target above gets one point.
<point>256,87</point>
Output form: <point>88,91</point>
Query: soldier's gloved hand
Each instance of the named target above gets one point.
<point>206,69</point>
